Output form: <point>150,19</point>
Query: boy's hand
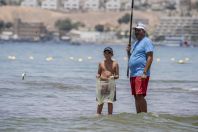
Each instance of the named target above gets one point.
<point>111,77</point>
<point>97,76</point>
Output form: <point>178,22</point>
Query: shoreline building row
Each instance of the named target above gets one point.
<point>73,4</point>
<point>108,5</point>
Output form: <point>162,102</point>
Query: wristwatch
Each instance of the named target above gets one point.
<point>144,72</point>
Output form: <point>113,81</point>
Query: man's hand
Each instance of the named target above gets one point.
<point>128,49</point>
<point>143,76</point>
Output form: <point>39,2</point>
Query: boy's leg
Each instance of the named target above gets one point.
<point>110,108</point>
<point>99,109</point>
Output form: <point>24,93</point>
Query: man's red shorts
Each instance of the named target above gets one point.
<point>139,85</point>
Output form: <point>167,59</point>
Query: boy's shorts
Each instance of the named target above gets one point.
<point>114,99</point>
<point>139,85</point>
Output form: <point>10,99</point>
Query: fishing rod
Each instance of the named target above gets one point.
<point>130,34</point>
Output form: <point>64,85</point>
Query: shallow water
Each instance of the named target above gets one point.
<point>59,95</point>
<point>126,122</point>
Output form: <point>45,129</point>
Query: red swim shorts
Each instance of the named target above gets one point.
<point>139,85</point>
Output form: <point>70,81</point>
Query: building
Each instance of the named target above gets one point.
<point>50,4</point>
<point>137,4</point>
<point>72,4</point>
<point>158,5</point>
<point>92,36</point>
<point>177,28</point>
<point>29,31</point>
<point>113,5</point>
<point>91,5</point>
<point>6,35</point>
<point>184,6</point>
<point>30,3</point>
<point>127,5</point>
<point>10,2</point>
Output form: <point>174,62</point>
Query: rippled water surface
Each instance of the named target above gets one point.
<point>59,94</point>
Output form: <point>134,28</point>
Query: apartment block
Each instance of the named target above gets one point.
<point>72,4</point>
<point>30,3</point>
<point>113,5</point>
<point>91,5</point>
<point>50,4</point>
<point>178,27</point>
<point>29,31</point>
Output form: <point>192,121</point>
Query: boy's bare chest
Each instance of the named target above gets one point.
<point>108,67</point>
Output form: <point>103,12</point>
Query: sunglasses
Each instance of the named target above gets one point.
<point>107,52</point>
<point>138,30</point>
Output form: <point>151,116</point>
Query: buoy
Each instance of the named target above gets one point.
<point>181,62</point>
<point>158,59</point>
<point>80,59</point>
<point>71,58</point>
<point>187,59</point>
<point>11,57</point>
<point>31,58</point>
<point>49,58</point>
<point>89,57</point>
<point>172,59</point>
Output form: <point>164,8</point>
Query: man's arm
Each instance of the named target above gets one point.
<point>128,49</point>
<point>148,62</point>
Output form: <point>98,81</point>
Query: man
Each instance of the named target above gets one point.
<point>141,57</point>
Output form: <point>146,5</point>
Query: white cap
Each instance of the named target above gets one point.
<point>141,26</point>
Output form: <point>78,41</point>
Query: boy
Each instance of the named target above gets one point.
<point>108,71</point>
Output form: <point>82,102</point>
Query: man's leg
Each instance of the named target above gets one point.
<point>110,108</point>
<point>99,109</point>
<point>141,103</point>
<point>137,105</point>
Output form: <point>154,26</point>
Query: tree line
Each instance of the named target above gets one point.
<point>67,25</point>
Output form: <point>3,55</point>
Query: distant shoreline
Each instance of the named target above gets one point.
<point>87,43</point>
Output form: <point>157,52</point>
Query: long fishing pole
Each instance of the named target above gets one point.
<point>130,34</point>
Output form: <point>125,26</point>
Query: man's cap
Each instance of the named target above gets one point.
<point>140,26</point>
<point>108,49</point>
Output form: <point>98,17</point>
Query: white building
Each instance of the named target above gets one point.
<point>127,6</point>
<point>158,5</point>
<point>6,35</point>
<point>138,3</point>
<point>50,4</point>
<point>91,36</point>
<point>113,5</point>
<point>30,3</point>
<point>72,4</point>
<point>91,4</point>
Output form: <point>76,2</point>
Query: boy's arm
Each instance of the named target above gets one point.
<point>99,71</point>
<point>116,76</point>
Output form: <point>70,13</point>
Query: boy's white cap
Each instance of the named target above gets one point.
<point>140,26</point>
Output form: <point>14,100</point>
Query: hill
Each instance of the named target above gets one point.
<point>90,19</point>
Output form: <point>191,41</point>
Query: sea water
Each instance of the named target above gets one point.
<point>58,90</point>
